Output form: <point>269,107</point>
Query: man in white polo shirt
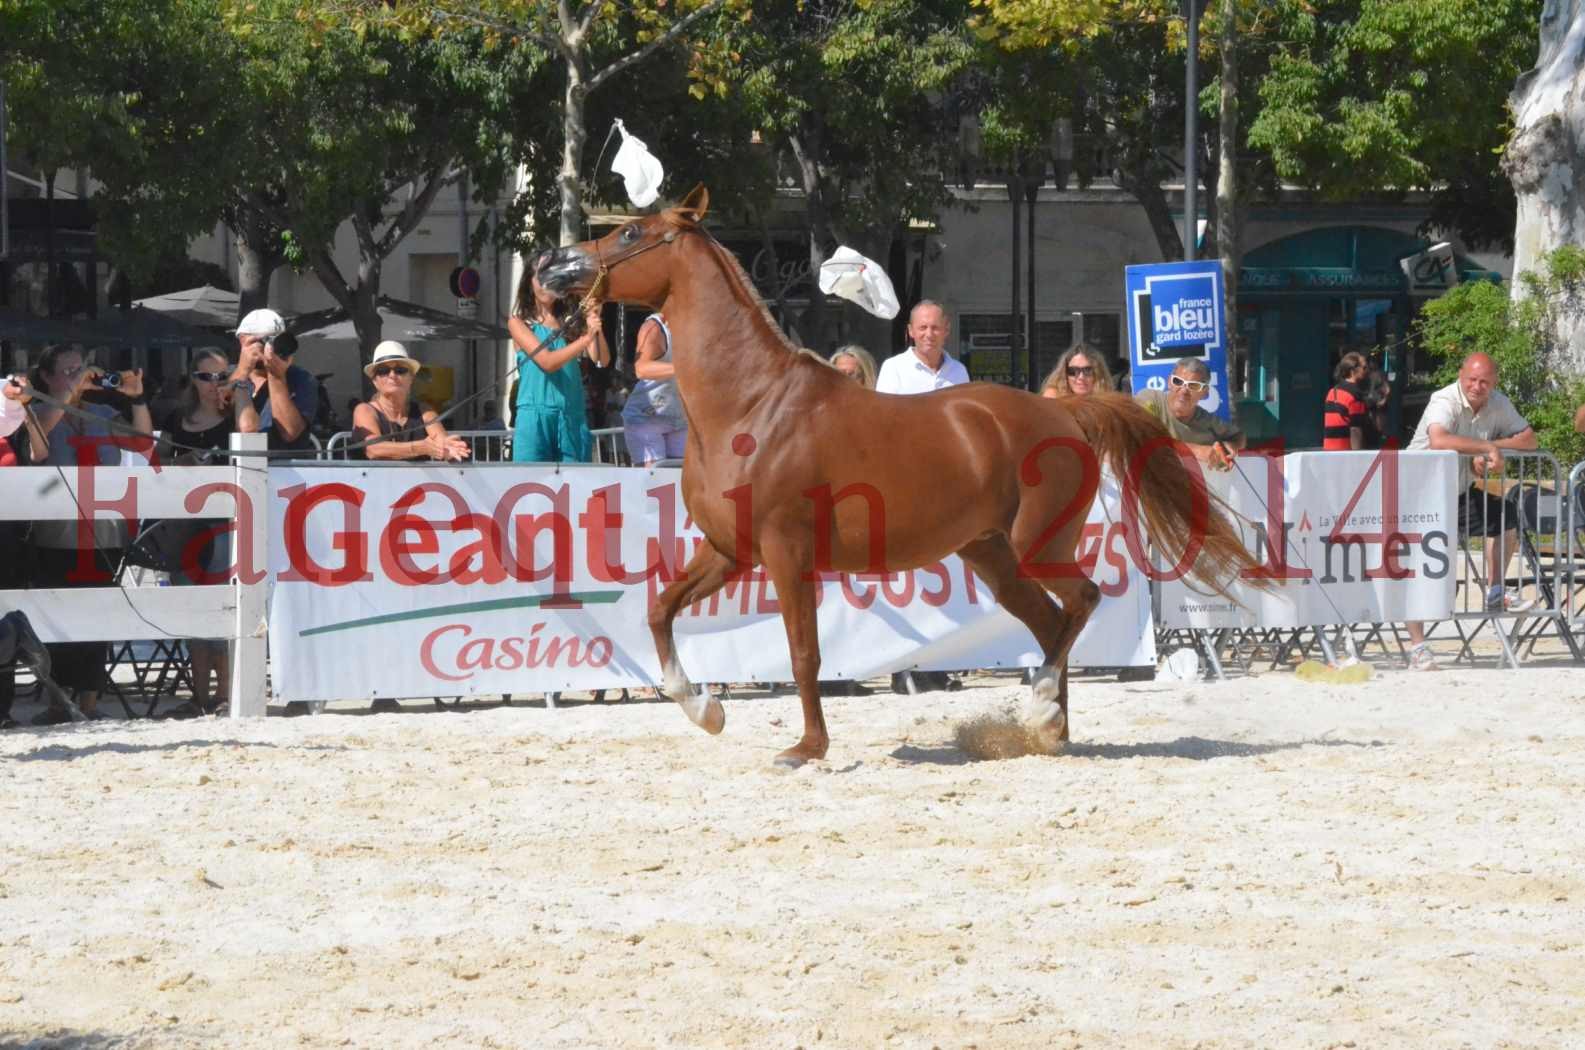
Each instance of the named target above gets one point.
<point>1472,417</point>
<point>925,365</point>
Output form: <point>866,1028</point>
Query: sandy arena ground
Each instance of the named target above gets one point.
<point>1261,863</point>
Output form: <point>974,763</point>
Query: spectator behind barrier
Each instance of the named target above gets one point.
<point>1343,414</point>
<point>1377,424</point>
<point>922,367</point>
<point>413,432</point>
<point>1213,442</point>
<point>925,364</point>
<point>19,434</point>
<point>1079,372</point>
<point>278,398</point>
<point>549,424</point>
<point>204,418</point>
<point>64,373</point>
<point>856,363</point>
<point>1475,419</point>
<point>653,422</point>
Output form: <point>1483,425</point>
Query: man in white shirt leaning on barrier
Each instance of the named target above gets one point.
<point>1475,419</point>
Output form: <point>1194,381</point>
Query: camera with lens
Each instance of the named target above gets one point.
<point>109,381</point>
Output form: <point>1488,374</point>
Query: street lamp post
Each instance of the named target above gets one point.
<point>1033,176</point>
<point>1015,192</point>
<point>1192,9</point>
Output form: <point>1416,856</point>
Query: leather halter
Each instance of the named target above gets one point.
<point>606,266</point>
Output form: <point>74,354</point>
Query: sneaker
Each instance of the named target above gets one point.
<point>1509,600</point>
<point>30,652</point>
<point>1422,659</point>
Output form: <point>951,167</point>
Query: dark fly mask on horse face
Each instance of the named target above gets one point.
<point>603,269</point>
<point>570,322</point>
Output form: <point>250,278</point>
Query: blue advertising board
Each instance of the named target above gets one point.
<point>1177,311</point>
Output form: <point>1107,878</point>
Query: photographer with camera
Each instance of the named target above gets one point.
<point>274,396</point>
<point>81,436</point>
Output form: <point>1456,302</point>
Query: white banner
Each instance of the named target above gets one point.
<point>401,581</point>
<point>1369,537</point>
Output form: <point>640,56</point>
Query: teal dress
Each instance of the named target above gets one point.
<point>549,426</point>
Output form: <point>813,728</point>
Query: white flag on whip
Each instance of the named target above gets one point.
<point>640,169</point>
<point>858,279</point>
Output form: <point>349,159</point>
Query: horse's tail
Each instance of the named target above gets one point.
<point>1183,519</point>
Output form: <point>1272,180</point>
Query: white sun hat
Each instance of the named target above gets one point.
<point>640,169</point>
<point>391,352</point>
<point>857,279</point>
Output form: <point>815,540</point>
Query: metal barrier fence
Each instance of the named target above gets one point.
<point>1520,544</point>
<point>1518,586</point>
<point>609,447</point>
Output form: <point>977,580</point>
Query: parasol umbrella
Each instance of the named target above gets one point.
<point>402,321</point>
<point>205,306</point>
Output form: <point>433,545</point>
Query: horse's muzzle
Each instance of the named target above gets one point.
<point>568,271</point>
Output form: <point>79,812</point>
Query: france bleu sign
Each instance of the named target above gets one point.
<point>1177,311</point>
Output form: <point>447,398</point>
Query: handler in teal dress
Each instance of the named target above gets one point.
<point>549,424</point>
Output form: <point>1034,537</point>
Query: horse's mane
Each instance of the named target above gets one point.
<point>744,286</point>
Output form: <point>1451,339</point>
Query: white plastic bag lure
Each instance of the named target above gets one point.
<point>860,280</point>
<point>640,169</point>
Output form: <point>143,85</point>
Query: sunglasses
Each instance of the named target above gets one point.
<point>1076,371</point>
<point>385,370</point>
<point>1194,385</point>
<point>209,377</point>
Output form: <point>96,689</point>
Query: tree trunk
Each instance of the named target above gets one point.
<point>821,234</point>
<point>256,264</point>
<point>1227,231</point>
<point>575,132</point>
<point>1147,191</point>
<point>1543,159</point>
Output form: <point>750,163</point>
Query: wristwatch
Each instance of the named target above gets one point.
<point>242,386</point>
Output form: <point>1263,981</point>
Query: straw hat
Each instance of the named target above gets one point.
<point>391,352</point>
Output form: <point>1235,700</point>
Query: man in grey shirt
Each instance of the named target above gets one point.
<point>1475,419</point>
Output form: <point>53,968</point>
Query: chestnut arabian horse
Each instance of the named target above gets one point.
<point>792,466</point>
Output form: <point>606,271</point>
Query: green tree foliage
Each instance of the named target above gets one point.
<point>589,44</point>
<point>140,93</point>
<point>850,96</point>
<point>1518,333</point>
<point>1373,96</point>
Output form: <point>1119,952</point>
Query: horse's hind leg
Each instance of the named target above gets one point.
<point>1079,597</point>
<point>993,560</point>
<point>705,573</point>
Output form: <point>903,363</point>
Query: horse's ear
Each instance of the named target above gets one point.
<point>695,205</point>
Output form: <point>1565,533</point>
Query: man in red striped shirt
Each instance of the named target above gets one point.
<point>1343,424</point>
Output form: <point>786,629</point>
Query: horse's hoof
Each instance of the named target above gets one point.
<point>706,712</point>
<point>1052,737</point>
<point>799,754</point>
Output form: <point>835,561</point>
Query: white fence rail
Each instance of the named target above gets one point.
<point>235,610</point>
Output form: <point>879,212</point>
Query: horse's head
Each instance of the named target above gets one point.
<point>625,264</point>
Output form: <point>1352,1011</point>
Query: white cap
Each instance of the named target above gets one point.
<point>266,323</point>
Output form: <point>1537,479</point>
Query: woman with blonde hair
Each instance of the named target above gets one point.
<point>1079,373</point>
<point>856,363</point>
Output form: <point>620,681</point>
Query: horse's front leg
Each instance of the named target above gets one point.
<point>705,573</point>
<point>790,568</point>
